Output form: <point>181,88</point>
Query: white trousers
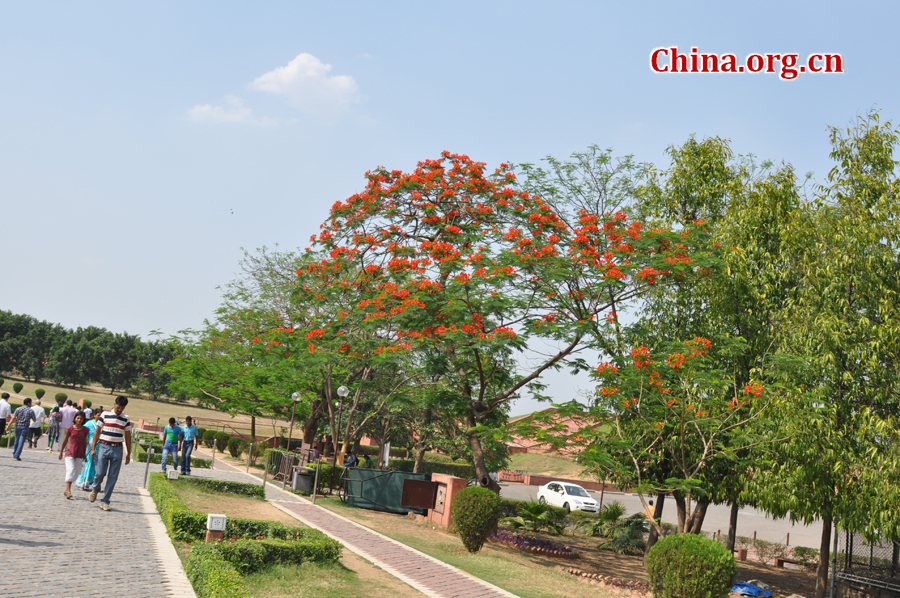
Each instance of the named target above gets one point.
<point>73,467</point>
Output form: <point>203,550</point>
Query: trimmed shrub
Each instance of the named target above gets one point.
<point>475,514</point>
<point>141,457</point>
<point>222,439</point>
<point>200,433</point>
<point>87,403</point>
<point>208,437</point>
<point>39,393</point>
<point>61,397</point>
<point>250,556</point>
<point>235,447</point>
<point>257,450</point>
<point>17,387</point>
<point>239,488</point>
<point>211,575</point>
<point>690,566</point>
<point>2,381</point>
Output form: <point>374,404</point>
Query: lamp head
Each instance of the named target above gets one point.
<point>296,396</point>
<point>343,391</point>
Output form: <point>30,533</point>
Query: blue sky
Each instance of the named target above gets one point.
<point>142,145</point>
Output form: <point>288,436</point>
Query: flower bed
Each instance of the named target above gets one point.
<point>533,545</point>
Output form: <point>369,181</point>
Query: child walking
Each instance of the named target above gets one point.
<point>53,429</point>
<point>74,446</point>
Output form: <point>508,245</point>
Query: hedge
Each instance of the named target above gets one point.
<point>455,469</point>
<point>211,575</point>
<point>396,451</point>
<point>239,488</point>
<point>14,406</point>
<point>141,457</point>
<point>186,525</point>
<point>250,556</point>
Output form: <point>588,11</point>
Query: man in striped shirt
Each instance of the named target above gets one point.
<point>114,430</point>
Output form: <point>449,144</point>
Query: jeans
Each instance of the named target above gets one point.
<point>169,447</point>
<point>21,434</point>
<point>186,449</point>
<point>109,462</point>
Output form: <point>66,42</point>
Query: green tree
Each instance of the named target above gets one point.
<point>844,317</point>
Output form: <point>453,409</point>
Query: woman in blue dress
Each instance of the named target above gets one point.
<point>86,479</point>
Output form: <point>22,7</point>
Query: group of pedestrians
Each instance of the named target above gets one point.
<point>179,439</point>
<point>92,444</point>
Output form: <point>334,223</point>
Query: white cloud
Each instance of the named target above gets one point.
<point>233,112</point>
<point>306,84</point>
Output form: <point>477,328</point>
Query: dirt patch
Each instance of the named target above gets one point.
<point>231,505</point>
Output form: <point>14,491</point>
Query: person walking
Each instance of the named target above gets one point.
<point>35,431</point>
<point>113,431</point>
<point>5,414</point>
<point>52,429</point>
<point>88,470</point>
<point>74,447</point>
<point>172,435</point>
<point>189,437</point>
<point>67,415</point>
<point>22,419</point>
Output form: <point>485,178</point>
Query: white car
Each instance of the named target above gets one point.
<point>571,497</point>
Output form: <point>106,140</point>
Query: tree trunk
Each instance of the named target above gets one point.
<point>682,515</point>
<point>252,428</point>
<point>732,527</point>
<point>657,514</point>
<point>824,557</point>
<point>481,473</point>
<point>696,522</point>
<point>310,427</point>
<point>420,457</point>
<point>328,447</point>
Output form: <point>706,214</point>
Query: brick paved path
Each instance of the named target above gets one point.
<point>51,545</point>
<point>428,575</point>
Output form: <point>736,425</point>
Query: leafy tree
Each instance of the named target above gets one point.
<point>844,317</point>
<point>467,269</point>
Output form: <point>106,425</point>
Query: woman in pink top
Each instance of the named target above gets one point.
<point>74,447</point>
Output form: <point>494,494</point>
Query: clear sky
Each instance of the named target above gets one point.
<point>142,145</point>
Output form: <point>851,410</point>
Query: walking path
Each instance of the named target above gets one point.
<point>52,545</point>
<point>426,574</point>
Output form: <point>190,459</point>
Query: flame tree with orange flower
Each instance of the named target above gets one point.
<point>461,269</point>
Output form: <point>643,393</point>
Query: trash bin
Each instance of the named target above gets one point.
<point>302,480</point>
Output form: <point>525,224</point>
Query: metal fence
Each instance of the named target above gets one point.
<point>874,563</point>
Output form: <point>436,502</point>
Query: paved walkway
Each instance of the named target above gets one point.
<point>53,546</point>
<point>426,574</point>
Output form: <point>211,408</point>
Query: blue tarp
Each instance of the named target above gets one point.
<point>748,589</point>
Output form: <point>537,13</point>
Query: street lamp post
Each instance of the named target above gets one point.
<point>296,398</point>
<point>342,392</point>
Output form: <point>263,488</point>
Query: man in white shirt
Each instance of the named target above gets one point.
<point>87,414</point>
<point>34,433</point>
<point>5,413</point>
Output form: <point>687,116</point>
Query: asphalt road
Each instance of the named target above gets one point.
<point>749,520</point>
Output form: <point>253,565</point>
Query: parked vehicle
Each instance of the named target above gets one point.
<point>571,497</point>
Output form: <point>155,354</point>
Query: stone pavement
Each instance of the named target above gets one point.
<point>53,546</point>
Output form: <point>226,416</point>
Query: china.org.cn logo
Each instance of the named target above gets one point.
<point>788,66</point>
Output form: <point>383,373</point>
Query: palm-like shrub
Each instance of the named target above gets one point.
<point>628,538</point>
<point>535,517</point>
<point>607,521</point>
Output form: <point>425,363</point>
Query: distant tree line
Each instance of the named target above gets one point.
<point>42,350</point>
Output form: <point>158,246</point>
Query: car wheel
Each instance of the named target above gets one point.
<point>542,500</point>
<point>566,507</point>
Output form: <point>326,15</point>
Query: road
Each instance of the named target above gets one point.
<point>749,520</point>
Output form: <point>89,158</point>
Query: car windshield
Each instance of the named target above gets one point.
<point>576,491</point>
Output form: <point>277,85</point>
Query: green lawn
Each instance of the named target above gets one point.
<point>548,465</point>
